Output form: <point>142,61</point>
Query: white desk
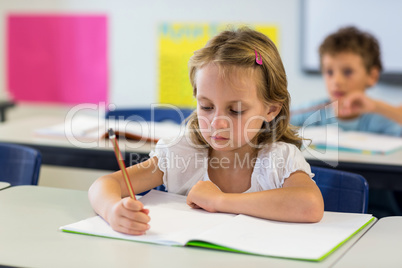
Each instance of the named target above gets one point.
<point>29,237</point>
<point>4,185</point>
<point>59,151</point>
<point>381,171</point>
<point>381,246</point>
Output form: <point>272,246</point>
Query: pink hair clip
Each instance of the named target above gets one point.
<point>258,61</point>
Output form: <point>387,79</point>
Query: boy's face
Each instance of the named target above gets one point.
<point>345,73</point>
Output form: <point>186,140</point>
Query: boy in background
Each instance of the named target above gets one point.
<point>360,103</point>
<point>350,64</point>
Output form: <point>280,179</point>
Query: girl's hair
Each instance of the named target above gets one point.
<point>351,39</point>
<point>236,49</point>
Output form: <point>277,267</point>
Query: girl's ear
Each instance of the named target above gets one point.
<point>273,110</point>
<point>374,75</point>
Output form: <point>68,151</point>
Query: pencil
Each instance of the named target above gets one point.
<point>120,161</point>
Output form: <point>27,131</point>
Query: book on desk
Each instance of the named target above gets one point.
<point>174,223</point>
<point>92,128</point>
<point>334,138</point>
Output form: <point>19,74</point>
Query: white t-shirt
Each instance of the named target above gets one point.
<point>183,165</point>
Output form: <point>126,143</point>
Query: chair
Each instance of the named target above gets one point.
<point>19,165</point>
<point>150,114</point>
<point>342,191</point>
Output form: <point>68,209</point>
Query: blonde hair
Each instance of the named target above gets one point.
<point>236,48</point>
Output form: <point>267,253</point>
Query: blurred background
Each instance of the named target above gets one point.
<point>133,53</point>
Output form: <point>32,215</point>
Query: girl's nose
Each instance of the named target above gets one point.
<point>220,122</point>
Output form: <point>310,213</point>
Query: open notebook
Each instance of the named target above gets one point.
<point>333,138</point>
<point>93,128</point>
<point>176,224</point>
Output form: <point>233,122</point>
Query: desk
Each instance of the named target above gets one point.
<point>4,185</point>
<point>381,246</point>
<point>29,237</point>
<point>381,172</point>
<point>4,105</point>
<point>59,151</point>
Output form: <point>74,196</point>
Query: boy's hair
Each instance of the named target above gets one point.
<point>235,49</point>
<point>351,39</point>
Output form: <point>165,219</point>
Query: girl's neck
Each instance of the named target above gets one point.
<point>242,156</point>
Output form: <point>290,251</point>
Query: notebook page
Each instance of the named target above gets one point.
<point>173,222</point>
<point>370,142</point>
<point>290,240</point>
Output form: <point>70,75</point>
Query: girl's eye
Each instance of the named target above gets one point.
<point>206,108</point>
<point>329,72</point>
<point>236,112</point>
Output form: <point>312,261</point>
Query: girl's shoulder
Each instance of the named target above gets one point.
<point>278,161</point>
<point>279,149</point>
<point>181,145</point>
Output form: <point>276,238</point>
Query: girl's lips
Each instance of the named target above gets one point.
<point>219,138</point>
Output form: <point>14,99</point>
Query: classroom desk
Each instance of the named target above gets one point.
<point>4,106</point>
<point>4,185</point>
<point>30,218</point>
<point>381,171</point>
<point>59,151</point>
<point>383,240</point>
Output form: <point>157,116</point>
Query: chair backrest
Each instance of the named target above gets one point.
<point>146,114</point>
<point>19,165</point>
<point>342,191</point>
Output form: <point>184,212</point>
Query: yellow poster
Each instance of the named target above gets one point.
<point>177,42</point>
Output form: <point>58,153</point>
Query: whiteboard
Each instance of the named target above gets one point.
<point>381,18</point>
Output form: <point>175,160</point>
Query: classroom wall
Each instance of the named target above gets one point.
<point>133,58</point>
<point>132,42</point>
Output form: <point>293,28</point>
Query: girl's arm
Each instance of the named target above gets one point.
<point>109,197</point>
<point>299,200</point>
<point>359,103</point>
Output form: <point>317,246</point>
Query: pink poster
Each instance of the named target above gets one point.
<point>57,58</point>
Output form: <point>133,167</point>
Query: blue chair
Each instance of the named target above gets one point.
<point>155,114</point>
<point>342,191</point>
<point>19,165</point>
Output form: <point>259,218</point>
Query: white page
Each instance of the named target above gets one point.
<point>282,239</point>
<point>83,126</point>
<point>333,137</point>
<point>79,126</point>
<point>370,141</point>
<point>173,222</point>
<point>154,130</point>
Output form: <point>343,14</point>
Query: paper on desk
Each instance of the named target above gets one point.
<point>330,137</point>
<point>284,239</point>
<point>89,127</point>
<point>173,222</point>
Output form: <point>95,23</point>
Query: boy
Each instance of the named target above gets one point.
<point>350,64</point>
<point>360,103</point>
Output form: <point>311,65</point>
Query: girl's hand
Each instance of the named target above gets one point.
<point>129,216</point>
<point>205,195</point>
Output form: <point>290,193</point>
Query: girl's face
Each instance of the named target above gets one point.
<point>230,113</point>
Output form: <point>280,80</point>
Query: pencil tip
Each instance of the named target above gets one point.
<point>111,133</point>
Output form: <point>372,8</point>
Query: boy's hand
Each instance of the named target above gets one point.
<point>205,195</point>
<point>355,104</point>
<point>129,216</point>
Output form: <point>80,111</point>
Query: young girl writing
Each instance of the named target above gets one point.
<point>239,155</point>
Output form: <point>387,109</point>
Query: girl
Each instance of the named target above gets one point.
<point>239,155</point>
